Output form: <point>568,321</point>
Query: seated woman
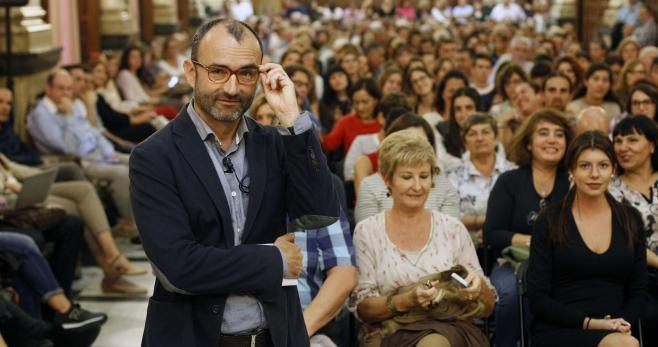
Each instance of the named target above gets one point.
<point>365,100</point>
<point>80,198</point>
<point>134,126</point>
<point>373,196</point>
<point>367,164</point>
<point>171,61</point>
<point>420,85</point>
<point>587,274</point>
<point>449,146</point>
<point>400,245</point>
<point>335,102</point>
<point>478,172</point>
<point>390,108</point>
<point>635,140</point>
<point>132,87</point>
<point>642,101</point>
<point>515,201</point>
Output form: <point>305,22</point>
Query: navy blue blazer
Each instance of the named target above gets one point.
<point>185,225</point>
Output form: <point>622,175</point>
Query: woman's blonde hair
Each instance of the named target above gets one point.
<point>404,147</point>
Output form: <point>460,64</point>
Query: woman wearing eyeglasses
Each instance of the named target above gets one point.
<point>643,98</point>
<point>515,202</point>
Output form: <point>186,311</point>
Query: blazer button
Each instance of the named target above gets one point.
<point>214,309</point>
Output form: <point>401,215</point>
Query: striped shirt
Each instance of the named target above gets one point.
<point>373,197</point>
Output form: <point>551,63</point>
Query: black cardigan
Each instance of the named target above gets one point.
<point>514,205</point>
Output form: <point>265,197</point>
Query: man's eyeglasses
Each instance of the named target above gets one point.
<point>221,74</point>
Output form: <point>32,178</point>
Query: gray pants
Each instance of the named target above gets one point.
<point>117,174</point>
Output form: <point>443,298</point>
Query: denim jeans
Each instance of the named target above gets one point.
<point>34,282</point>
<point>67,238</point>
<point>506,312</point>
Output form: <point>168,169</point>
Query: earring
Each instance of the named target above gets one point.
<point>388,192</point>
<point>570,177</point>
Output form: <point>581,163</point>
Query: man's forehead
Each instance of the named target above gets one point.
<point>62,79</point>
<point>219,46</point>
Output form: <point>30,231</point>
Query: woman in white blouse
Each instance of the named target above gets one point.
<point>171,61</point>
<point>635,139</point>
<point>479,169</point>
<point>397,247</point>
<point>128,78</point>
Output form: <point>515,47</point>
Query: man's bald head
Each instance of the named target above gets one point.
<point>6,100</point>
<point>236,28</point>
<point>647,55</point>
<point>592,118</point>
<point>59,84</point>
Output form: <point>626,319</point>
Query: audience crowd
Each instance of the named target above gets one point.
<point>473,137</point>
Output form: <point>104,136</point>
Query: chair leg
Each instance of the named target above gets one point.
<point>522,322</point>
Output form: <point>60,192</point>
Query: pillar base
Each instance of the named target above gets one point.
<point>30,63</point>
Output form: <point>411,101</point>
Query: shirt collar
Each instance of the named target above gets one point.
<point>205,131</point>
<point>470,170</point>
<point>50,105</point>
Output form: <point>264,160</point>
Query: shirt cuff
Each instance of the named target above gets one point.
<point>301,125</point>
<point>283,259</point>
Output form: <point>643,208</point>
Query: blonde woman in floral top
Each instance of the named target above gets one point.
<point>635,139</point>
<point>397,247</point>
<point>479,169</point>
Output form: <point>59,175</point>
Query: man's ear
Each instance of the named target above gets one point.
<point>190,72</point>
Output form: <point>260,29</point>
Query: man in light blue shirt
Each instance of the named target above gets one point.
<point>59,125</point>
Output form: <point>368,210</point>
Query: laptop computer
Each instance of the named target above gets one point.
<point>35,189</point>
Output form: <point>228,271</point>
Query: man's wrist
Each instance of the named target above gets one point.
<point>283,260</point>
<point>288,118</point>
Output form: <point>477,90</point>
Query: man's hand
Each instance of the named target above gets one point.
<point>292,254</point>
<point>280,93</point>
<point>65,106</point>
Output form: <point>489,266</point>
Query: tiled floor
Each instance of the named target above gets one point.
<point>126,315</point>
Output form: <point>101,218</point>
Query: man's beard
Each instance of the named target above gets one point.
<point>208,104</point>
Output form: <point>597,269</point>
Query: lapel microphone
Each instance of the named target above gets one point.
<point>228,165</point>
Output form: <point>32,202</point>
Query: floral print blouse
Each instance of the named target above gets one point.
<point>648,207</point>
<point>383,267</point>
<point>474,188</point>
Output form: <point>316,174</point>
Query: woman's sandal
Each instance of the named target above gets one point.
<point>122,266</point>
<point>120,285</point>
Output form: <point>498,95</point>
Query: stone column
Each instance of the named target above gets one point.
<point>563,10</point>
<point>117,28</point>
<point>165,17</point>
<point>590,19</point>
<point>33,55</point>
<point>197,12</point>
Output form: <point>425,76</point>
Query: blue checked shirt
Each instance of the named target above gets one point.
<point>322,249</point>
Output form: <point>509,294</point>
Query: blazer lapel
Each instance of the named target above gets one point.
<point>195,153</point>
<point>256,157</point>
